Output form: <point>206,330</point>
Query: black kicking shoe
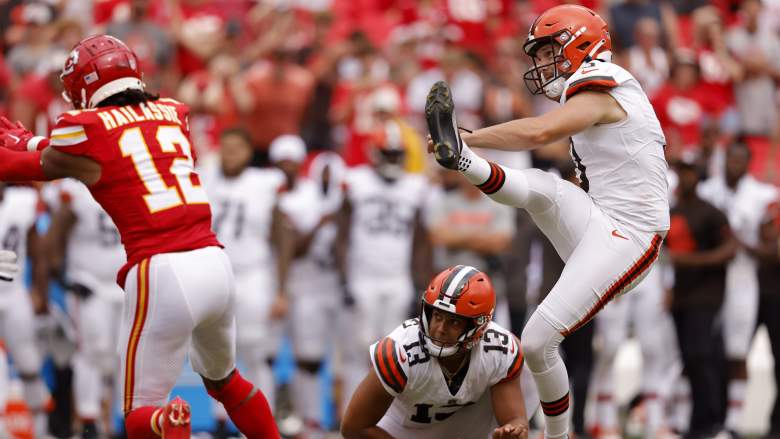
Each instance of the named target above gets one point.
<point>440,116</point>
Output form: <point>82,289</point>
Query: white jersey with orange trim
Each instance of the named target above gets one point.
<point>621,165</point>
<point>422,398</point>
<point>18,213</point>
<point>242,209</point>
<point>383,218</point>
<point>94,246</point>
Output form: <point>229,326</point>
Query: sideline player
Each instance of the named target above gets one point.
<point>310,203</point>
<point>246,219</point>
<point>451,372</point>
<point>84,247</point>
<point>744,200</point>
<point>381,236</point>
<point>133,152</point>
<point>18,216</point>
<point>609,230</point>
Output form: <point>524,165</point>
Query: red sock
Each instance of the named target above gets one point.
<point>247,407</point>
<point>138,423</point>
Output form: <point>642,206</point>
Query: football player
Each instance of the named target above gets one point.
<point>247,220</point>
<point>380,227</point>
<point>645,312</point>
<point>744,200</point>
<point>84,246</point>
<point>311,203</point>
<point>609,230</point>
<point>451,372</point>
<point>132,150</point>
<point>18,216</point>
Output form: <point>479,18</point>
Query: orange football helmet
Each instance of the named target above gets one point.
<point>463,291</point>
<point>577,34</point>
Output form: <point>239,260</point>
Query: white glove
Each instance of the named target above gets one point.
<point>8,265</point>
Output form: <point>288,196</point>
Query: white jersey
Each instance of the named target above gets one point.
<point>416,380</point>
<point>241,214</point>
<point>383,219</point>
<point>94,247</point>
<point>744,206</point>
<point>18,213</point>
<point>305,206</point>
<point>621,165</point>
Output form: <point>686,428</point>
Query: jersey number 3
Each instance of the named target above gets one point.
<point>161,196</point>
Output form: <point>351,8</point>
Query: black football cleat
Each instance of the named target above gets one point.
<point>440,116</point>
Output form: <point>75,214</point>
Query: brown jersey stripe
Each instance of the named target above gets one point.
<point>639,267</point>
<point>383,367</point>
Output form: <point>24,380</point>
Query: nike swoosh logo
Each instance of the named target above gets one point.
<point>15,139</point>
<point>403,357</point>
<point>618,235</point>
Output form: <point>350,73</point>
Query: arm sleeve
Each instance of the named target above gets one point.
<point>386,361</point>
<point>70,134</point>
<point>509,364</point>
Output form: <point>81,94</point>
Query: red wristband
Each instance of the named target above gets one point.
<point>21,166</point>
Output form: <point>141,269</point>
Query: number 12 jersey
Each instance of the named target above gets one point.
<point>148,185</point>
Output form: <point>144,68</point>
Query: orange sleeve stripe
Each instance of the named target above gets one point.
<point>391,358</point>
<point>517,363</point>
<point>383,367</point>
<point>595,83</point>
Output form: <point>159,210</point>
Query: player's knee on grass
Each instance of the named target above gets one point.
<point>540,341</point>
<point>309,366</point>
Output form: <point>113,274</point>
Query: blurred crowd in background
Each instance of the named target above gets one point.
<point>351,76</point>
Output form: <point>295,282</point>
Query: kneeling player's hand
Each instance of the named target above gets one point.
<point>511,431</point>
<point>8,265</point>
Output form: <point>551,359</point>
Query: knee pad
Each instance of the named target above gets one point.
<point>540,341</point>
<point>309,366</point>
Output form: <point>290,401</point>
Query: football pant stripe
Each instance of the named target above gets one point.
<point>633,273</point>
<point>141,308</point>
<point>384,373</point>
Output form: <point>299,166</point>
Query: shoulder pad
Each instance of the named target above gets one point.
<point>595,75</point>
<point>388,365</point>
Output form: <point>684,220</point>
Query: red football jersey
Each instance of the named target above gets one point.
<point>148,184</point>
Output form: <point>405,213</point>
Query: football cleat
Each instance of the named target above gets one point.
<point>440,116</point>
<point>176,420</point>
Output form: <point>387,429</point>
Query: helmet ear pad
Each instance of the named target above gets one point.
<point>97,68</point>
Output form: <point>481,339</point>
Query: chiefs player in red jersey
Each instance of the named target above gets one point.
<point>132,150</point>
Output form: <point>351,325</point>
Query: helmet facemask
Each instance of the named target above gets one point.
<point>548,74</point>
<point>438,348</point>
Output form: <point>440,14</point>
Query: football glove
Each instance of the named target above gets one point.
<point>16,137</point>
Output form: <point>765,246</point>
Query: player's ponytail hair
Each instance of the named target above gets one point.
<point>128,97</point>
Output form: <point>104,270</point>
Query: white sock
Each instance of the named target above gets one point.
<point>553,386</point>
<point>306,396</point>
<point>475,168</point>
<point>654,414</point>
<point>736,390</point>
<point>607,412</point>
<point>87,388</point>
